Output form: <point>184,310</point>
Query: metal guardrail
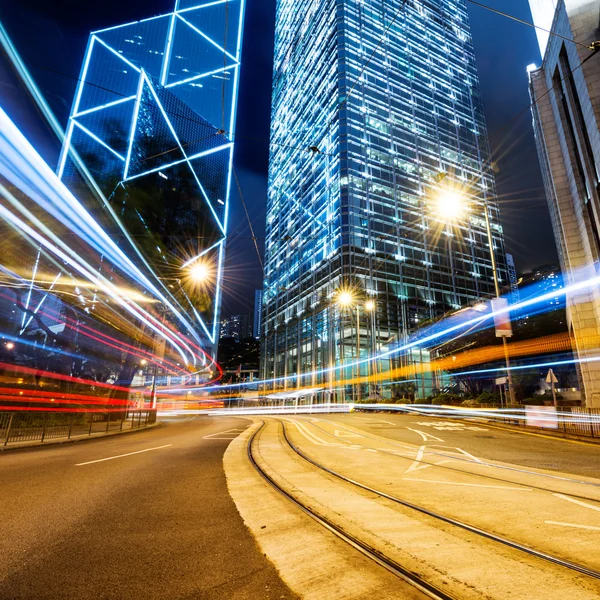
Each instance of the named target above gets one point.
<point>23,426</point>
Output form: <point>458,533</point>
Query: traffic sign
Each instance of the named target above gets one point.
<point>551,377</point>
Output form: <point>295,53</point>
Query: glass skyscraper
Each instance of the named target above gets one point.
<point>151,134</point>
<point>377,129</point>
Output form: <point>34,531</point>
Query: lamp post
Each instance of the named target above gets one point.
<point>451,206</point>
<point>195,273</point>
<point>370,308</point>
<point>347,299</point>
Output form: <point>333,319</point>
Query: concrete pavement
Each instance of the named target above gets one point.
<point>433,464</point>
<point>154,522</point>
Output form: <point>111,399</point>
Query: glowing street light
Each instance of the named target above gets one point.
<point>369,305</point>
<point>451,205</point>
<point>10,345</point>
<point>143,362</point>
<point>199,272</point>
<point>345,298</point>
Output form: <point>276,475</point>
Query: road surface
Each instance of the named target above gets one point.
<point>153,522</point>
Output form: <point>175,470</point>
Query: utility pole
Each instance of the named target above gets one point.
<point>510,388</point>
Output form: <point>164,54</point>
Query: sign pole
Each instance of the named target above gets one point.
<point>551,379</point>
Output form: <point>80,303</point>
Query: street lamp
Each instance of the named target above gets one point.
<point>348,299</point>
<point>345,299</point>
<point>451,204</point>
<point>370,307</point>
<point>9,345</point>
<point>199,273</point>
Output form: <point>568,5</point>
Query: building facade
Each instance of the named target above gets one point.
<point>257,319</point>
<point>151,134</point>
<point>237,327</point>
<point>379,185</point>
<point>566,116</point>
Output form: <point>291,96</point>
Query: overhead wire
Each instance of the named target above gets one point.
<point>522,21</point>
<point>253,238</point>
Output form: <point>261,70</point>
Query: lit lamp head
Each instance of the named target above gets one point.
<point>9,345</point>
<point>199,272</point>
<point>143,362</point>
<point>345,299</point>
<point>451,205</point>
<point>369,305</point>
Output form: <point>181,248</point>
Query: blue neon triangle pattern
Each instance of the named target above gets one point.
<point>219,22</point>
<point>142,43</point>
<point>100,88</point>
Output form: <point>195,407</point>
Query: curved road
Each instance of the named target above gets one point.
<point>156,523</point>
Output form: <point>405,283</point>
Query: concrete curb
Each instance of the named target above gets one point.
<point>99,436</point>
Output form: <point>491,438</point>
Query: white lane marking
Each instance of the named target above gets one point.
<point>90,462</point>
<point>577,502</point>
<point>426,436</point>
<point>346,434</point>
<point>576,525</point>
<point>311,437</point>
<point>232,432</point>
<point>496,487</point>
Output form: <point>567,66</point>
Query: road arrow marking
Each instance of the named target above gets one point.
<point>426,436</point>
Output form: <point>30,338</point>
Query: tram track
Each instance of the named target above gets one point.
<point>364,548</point>
<point>442,518</point>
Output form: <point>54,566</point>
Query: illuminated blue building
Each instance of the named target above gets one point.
<point>377,129</point>
<point>151,134</point>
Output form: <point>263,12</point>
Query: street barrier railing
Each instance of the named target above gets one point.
<point>18,427</point>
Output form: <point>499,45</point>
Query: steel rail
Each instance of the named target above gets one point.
<point>375,555</point>
<point>471,528</point>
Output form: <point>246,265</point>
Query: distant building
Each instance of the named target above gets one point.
<point>512,279</point>
<point>257,322</point>
<point>237,327</point>
<point>566,115</point>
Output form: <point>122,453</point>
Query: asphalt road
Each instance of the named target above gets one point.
<point>155,524</point>
<point>484,441</point>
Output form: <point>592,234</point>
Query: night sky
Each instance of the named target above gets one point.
<point>51,37</point>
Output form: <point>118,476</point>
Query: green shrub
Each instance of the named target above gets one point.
<point>488,398</point>
<point>535,401</point>
<point>446,399</point>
